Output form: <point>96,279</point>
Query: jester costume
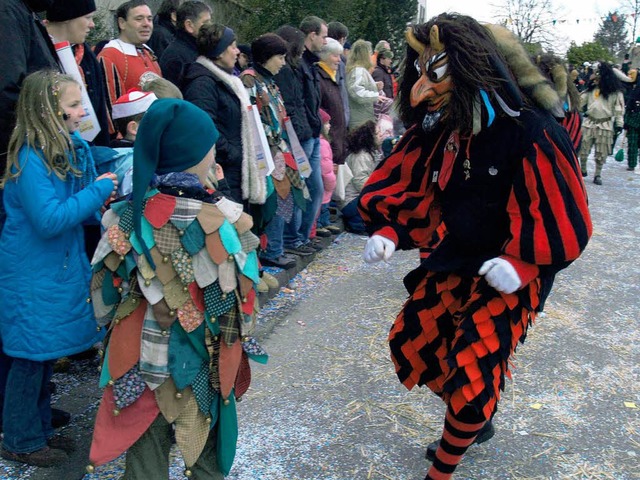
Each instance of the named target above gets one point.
<point>285,185</point>
<point>174,278</point>
<point>503,188</point>
<point>603,103</point>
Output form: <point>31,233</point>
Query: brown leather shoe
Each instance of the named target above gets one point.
<point>45,457</point>
<point>60,442</point>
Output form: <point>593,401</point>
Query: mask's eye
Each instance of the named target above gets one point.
<point>437,74</point>
<point>417,65</point>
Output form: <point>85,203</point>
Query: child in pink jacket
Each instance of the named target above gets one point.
<point>328,177</point>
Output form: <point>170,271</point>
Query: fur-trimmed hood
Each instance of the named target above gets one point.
<point>533,84</point>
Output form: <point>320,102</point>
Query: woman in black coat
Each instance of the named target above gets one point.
<point>330,98</point>
<point>383,72</point>
<point>209,84</point>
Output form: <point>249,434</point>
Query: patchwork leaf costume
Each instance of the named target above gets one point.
<point>174,279</point>
<point>179,337</point>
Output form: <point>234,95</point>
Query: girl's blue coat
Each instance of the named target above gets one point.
<point>44,272</point>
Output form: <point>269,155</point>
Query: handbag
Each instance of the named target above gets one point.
<point>343,177</point>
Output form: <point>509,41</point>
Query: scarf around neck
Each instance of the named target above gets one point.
<point>254,187</point>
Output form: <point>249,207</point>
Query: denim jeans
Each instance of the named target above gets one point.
<point>27,406</point>
<point>351,216</point>
<point>5,366</point>
<point>324,219</point>
<point>316,188</point>
<point>274,231</point>
<point>291,237</point>
<point>297,231</point>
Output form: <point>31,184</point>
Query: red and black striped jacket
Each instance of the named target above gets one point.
<point>521,195</point>
<point>572,123</point>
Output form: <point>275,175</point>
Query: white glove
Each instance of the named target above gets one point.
<point>501,275</point>
<point>378,248</point>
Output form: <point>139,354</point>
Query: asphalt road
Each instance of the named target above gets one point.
<point>328,405</point>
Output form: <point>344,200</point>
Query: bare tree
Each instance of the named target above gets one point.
<point>631,9</point>
<point>531,20</point>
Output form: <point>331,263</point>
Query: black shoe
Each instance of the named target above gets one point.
<point>301,251</point>
<point>631,169</point>
<point>597,180</point>
<point>334,229</point>
<point>355,231</point>
<point>316,244</point>
<point>61,442</point>
<point>584,173</point>
<point>45,457</point>
<point>486,433</point>
<point>62,365</point>
<point>88,354</point>
<point>323,232</point>
<point>59,418</point>
<point>283,261</point>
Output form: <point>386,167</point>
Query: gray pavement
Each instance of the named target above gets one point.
<point>328,405</point>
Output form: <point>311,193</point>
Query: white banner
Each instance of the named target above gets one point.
<point>263,152</point>
<point>304,167</point>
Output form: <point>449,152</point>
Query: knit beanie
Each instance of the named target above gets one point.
<point>246,49</point>
<point>266,46</point>
<point>324,116</point>
<point>173,136</point>
<point>62,10</point>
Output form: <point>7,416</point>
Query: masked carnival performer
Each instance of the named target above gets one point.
<point>174,277</point>
<point>487,182</point>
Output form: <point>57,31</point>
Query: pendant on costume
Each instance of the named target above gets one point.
<point>451,149</point>
<point>493,171</point>
<point>467,169</point>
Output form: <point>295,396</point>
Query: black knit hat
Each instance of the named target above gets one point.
<point>246,49</point>
<point>266,46</point>
<point>62,10</point>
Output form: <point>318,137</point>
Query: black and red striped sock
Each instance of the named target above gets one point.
<point>460,430</point>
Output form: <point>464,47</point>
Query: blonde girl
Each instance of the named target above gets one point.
<point>50,188</point>
<point>363,90</point>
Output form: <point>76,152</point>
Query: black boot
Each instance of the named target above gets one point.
<point>59,418</point>
<point>487,432</point>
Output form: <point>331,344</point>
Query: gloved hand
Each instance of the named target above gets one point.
<point>501,275</point>
<point>378,248</point>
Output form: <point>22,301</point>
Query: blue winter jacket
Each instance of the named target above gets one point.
<point>44,272</point>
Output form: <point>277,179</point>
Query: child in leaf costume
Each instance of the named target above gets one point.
<point>174,277</point>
